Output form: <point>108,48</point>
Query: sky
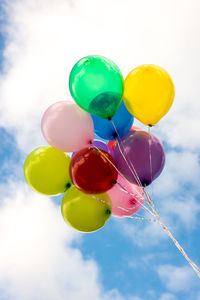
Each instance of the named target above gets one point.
<point>41,257</point>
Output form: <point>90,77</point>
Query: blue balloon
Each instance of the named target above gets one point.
<point>122,120</point>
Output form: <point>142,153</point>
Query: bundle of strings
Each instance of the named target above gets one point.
<point>149,201</point>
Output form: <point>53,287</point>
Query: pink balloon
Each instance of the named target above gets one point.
<point>67,127</point>
<point>123,204</point>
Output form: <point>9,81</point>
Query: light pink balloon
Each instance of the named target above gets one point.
<point>67,127</point>
<point>123,204</point>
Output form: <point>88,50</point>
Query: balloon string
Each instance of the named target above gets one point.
<point>139,218</point>
<point>143,206</point>
<point>138,200</point>
<point>122,187</point>
<point>150,160</point>
<point>124,209</point>
<point>192,264</point>
<point>164,227</point>
<point>158,220</point>
<point>129,164</point>
<point>133,171</point>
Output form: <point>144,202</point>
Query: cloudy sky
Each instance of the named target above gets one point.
<point>40,256</point>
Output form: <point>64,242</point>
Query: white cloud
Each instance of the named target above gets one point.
<point>46,38</point>
<point>143,233</point>
<point>181,168</point>
<point>168,296</point>
<point>114,295</point>
<point>178,279</point>
<point>37,260</point>
<point>184,209</point>
<point>177,188</point>
<point>175,213</point>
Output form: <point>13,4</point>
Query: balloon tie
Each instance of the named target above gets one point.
<point>67,186</point>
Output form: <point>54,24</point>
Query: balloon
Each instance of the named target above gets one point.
<point>122,121</point>
<point>85,212</point>
<point>136,147</point>
<point>112,143</point>
<point>67,127</point>
<point>148,93</point>
<point>46,170</point>
<point>100,145</point>
<point>96,84</point>
<point>123,204</point>
<point>92,172</point>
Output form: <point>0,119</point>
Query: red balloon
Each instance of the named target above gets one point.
<point>91,172</point>
<point>112,143</point>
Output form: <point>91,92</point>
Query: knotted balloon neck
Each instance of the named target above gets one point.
<point>67,186</point>
<point>108,211</point>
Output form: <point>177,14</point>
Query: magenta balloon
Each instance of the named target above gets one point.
<point>123,204</point>
<point>136,147</point>
<point>67,127</point>
<point>100,145</point>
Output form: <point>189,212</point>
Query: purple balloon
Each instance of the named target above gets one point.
<point>136,147</point>
<point>102,146</point>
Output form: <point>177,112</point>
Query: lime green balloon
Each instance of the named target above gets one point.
<point>46,170</point>
<point>96,84</point>
<point>85,212</point>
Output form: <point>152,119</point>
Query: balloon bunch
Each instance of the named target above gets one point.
<point>102,178</point>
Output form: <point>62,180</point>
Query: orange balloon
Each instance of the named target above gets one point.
<point>112,143</point>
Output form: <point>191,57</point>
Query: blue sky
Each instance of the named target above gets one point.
<point>40,256</point>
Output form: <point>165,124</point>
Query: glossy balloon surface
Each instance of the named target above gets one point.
<point>92,172</point>
<point>96,84</point>
<point>123,204</point>
<point>148,93</point>
<point>46,170</point>
<point>67,127</point>
<point>142,151</point>
<point>122,120</point>
<point>85,212</point>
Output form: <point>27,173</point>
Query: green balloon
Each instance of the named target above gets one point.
<point>96,84</point>
<point>85,212</point>
<point>46,170</point>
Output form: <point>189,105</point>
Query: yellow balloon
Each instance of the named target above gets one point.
<point>85,212</point>
<point>148,93</point>
<point>46,170</point>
